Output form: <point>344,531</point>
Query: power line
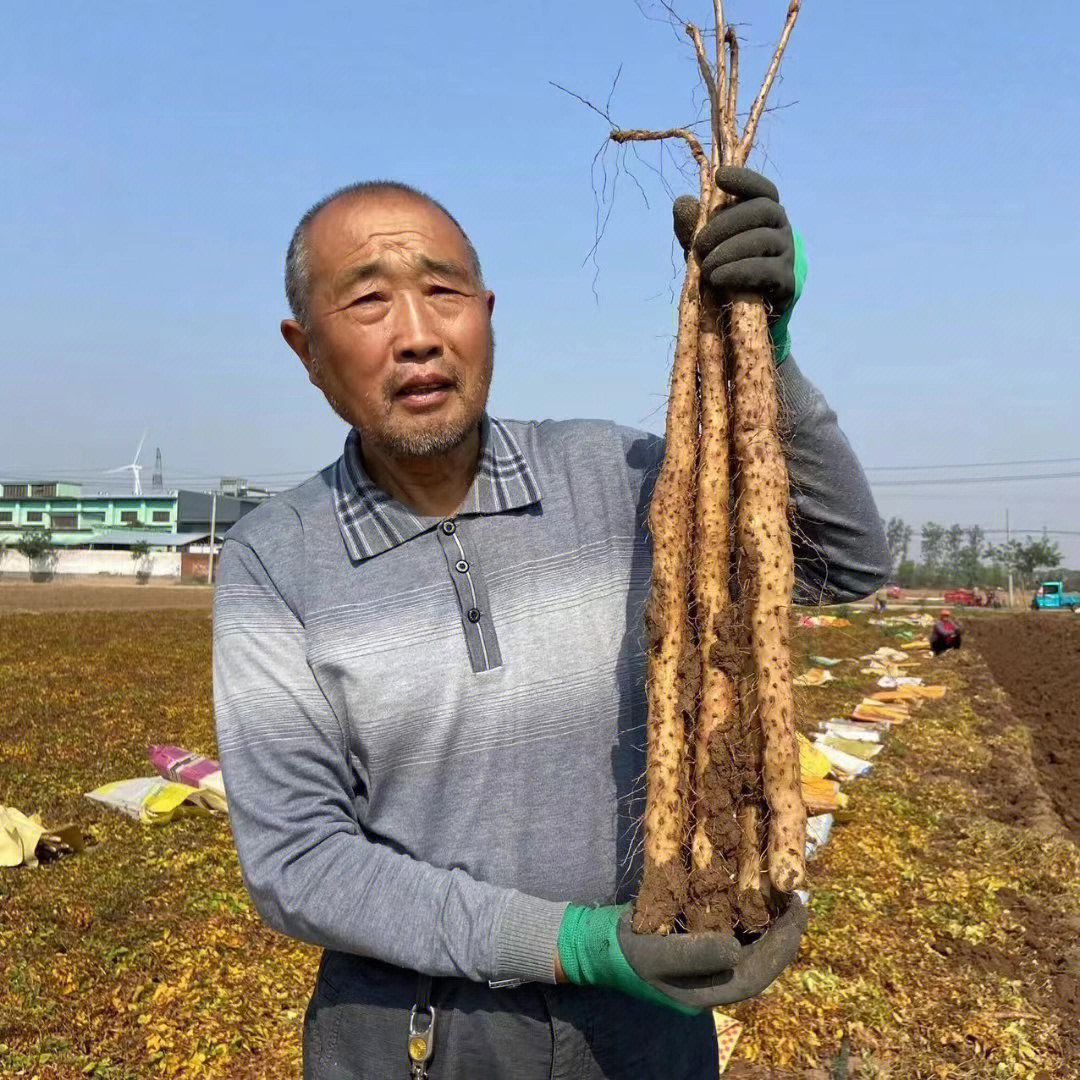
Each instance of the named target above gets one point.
<point>972,480</point>
<point>972,465</point>
<point>1029,532</point>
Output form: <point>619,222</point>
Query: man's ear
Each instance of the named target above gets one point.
<point>296,337</point>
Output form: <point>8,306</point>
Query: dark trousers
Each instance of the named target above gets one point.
<point>939,643</point>
<point>356,1028</point>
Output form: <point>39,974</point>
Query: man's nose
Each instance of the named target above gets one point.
<point>416,334</point>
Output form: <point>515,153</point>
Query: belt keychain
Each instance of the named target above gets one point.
<point>421,1030</point>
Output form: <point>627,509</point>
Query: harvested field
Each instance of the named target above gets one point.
<point>141,957</point>
<point>118,595</point>
<point>1035,659</point>
<point>945,912</point>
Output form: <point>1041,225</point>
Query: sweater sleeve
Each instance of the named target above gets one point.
<point>837,536</point>
<point>310,867</point>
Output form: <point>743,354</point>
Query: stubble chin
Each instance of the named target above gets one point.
<point>422,437</point>
<point>427,437</point>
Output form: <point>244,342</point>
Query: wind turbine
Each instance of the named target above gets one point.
<point>134,468</point>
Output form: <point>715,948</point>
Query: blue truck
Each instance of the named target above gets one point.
<point>1051,595</point>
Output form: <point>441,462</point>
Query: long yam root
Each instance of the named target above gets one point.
<point>766,579</point>
<point>672,687</point>
<point>721,711</point>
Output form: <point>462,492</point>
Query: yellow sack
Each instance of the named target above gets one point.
<point>822,796</point>
<point>812,762</point>
<point>19,836</point>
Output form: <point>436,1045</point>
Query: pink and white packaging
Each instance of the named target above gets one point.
<point>176,763</point>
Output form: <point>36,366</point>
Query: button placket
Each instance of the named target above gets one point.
<point>480,639</point>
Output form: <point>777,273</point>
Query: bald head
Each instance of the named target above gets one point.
<point>298,258</point>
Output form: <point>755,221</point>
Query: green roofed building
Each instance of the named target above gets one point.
<point>164,519</point>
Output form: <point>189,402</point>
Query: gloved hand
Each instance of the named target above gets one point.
<point>748,247</point>
<point>686,972</point>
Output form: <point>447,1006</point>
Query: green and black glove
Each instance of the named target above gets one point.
<point>686,972</point>
<point>748,246</point>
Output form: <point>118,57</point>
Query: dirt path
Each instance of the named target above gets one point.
<point>95,596</point>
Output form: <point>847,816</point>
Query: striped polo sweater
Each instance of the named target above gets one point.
<point>432,730</point>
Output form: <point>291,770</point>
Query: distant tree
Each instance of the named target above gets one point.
<point>969,562</point>
<point>898,537</point>
<point>931,542</point>
<point>1026,556</point>
<point>953,543</point>
<point>36,545</point>
<point>140,554</point>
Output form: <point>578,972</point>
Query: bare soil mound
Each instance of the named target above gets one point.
<point>1035,659</point>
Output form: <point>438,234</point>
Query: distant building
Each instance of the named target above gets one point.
<point>170,520</point>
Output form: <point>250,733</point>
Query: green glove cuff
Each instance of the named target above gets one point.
<point>590,955</point>
<point>779,331</point>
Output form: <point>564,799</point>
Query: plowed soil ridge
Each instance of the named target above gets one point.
<point>1035,659</point>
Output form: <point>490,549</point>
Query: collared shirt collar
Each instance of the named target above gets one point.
<point>371,521</point>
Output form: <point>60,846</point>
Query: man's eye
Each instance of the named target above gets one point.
<point>443,290</point>
<point>369,298</point>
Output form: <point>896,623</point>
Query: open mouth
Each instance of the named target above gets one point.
<point>431,390</point>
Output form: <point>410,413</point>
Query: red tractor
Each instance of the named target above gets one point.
<point>972,597</point>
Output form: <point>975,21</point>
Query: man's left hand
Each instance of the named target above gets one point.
<point>746,246</point>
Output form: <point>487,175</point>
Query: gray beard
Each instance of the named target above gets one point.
<point>420,444</point>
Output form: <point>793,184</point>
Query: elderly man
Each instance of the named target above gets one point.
<point>430,675</point>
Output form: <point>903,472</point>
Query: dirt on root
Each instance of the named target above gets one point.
<point>1035,659</point>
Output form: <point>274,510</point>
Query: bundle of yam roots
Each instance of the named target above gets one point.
<point>725,824</point>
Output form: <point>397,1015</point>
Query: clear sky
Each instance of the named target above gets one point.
<point>154,158</point>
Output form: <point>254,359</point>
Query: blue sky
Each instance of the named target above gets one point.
<point>154,159</point>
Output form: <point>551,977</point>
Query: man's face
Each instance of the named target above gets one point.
<point>399,335</point>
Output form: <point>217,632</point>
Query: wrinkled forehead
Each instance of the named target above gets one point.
<point>368,226</point>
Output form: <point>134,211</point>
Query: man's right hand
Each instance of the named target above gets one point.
<point>686,972</point>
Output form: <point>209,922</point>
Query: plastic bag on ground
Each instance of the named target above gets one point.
<point>850,730</point>
<point>841,762</point>
<point>891,682</point>
<point>153,800</point>
<point>814,677</point>
<point>818,828</point>
<point>822,620</point>
<point>854,747</point>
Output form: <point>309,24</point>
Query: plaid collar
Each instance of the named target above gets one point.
<point>372,522</point>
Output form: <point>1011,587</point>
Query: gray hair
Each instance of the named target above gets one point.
<point>298,257</point>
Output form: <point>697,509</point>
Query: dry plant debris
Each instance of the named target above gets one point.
<point>936,911</point>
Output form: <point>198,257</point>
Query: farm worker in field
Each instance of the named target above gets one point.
<point>945,634</point>
<point>429,675</point>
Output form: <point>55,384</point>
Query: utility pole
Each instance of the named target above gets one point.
<point>1007,548</point>
<point>213,524</point>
